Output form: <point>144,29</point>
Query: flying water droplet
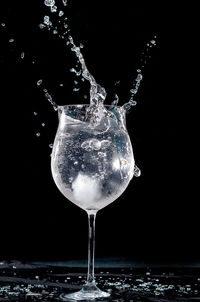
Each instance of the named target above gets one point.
<point>11,40</point>
<point>47,21</point>
<point>64,2</point>
<point>39,82</point>
<point>22,55</point>
<point>49,2</point>
<point>37,134</point>
<point>3,24</point>
<point>54,9</point>
<point>61,13</point>
<point>137,171</point>
<point>116,100</point>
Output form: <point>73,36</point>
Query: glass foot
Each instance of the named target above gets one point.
<point>88,292</point>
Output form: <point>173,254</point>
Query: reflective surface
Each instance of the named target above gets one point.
<point>28,282</point>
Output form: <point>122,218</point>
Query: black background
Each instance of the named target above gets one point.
<point>157,218</point>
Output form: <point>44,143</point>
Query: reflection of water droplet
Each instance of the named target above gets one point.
<point>137,171</point>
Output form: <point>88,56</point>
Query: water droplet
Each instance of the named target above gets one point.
<point>55,32</point>
<point>137,171</point>
<point>35,113</point>
<point>11,40</point>
<point>75,163</point>
<point>51,146</point>
<point>85,96</point>
<point>38,134</point>
<point>43,124</point>
<point>61,13</point>
<point>61,85</point>
<point>54,9</point>
<point>22,55</point>
<point>76,89</point>
<point>153,42</point>
<point>64,2</point>
<point>39,82</point>
<point>49,2</point>
<point>3,24</point>
<point>41,26</point>
<point>47,21</point>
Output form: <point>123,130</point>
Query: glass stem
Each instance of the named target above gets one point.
<point>91,247</point>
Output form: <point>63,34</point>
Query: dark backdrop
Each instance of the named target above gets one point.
<point>156,219</point>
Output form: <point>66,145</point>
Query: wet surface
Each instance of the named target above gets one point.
<point>30,282</point>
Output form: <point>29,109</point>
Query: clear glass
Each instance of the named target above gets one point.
<point>92,163</point>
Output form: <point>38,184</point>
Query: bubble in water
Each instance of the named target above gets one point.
<point>95,144</point>
<point>91,144</point>
<point>49,2</point>
<point>102,154</point>
<point>105,144</point>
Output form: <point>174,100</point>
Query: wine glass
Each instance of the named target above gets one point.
<point>92,163</point>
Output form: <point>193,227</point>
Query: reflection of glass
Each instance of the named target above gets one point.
<point>92,164</point>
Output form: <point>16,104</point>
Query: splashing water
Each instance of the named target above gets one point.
<point>97,93</point>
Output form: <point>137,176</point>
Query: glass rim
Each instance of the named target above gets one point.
<point>76,105</point>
